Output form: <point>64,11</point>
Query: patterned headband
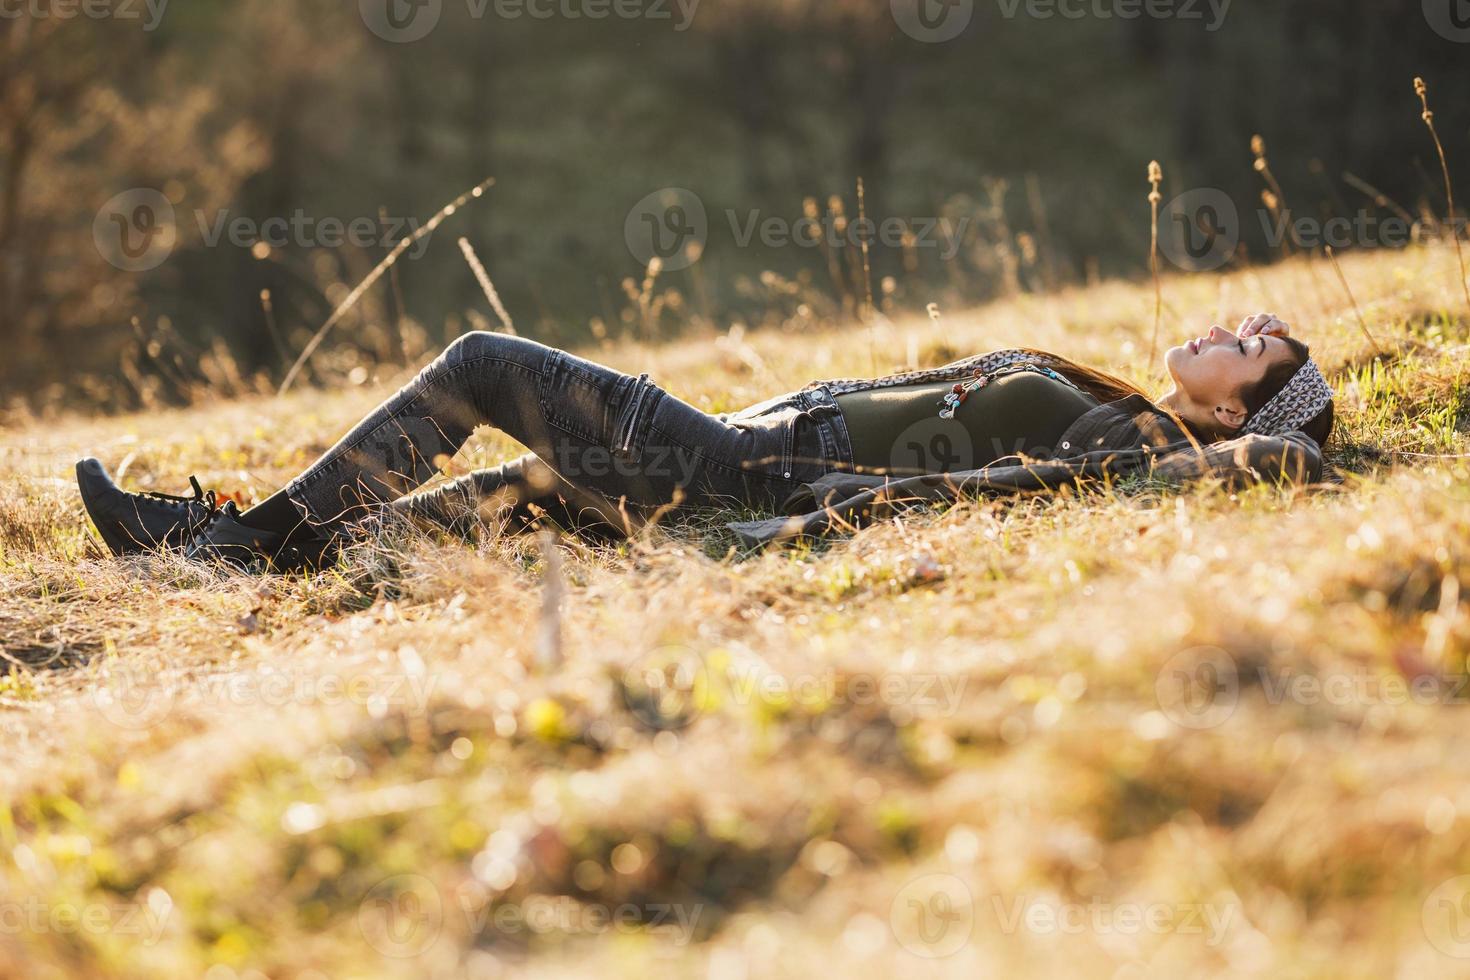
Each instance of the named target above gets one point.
<point>1306,394</point>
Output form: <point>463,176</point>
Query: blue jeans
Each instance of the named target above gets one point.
<point>594,434</point>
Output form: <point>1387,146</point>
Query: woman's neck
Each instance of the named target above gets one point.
<point>1178,404</point>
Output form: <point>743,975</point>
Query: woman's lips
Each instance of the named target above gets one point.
<point>1193,346</point>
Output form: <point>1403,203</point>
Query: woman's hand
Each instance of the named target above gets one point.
<point>1262,323</point>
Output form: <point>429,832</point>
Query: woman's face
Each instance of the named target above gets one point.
<point>1209,373</point>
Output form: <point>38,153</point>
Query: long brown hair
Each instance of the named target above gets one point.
<point>1107,387</point>
<point>1101,385</point>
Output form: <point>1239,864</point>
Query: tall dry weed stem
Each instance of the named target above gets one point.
<point>427,228</point>
<point>1273,196</point>
<point>1155,179</point>
<point>1357,311</point>
<point>869,309</point>
<point>1422,90</point>
<point>486,286</point>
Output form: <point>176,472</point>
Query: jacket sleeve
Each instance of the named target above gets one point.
<point>843,502</point>
<point>1292,457</point>
<point>846,502</point>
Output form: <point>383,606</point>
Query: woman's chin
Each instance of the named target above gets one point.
<point>1174,355</point>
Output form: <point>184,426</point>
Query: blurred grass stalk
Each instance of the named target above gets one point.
<point>1422,90</point>
<point>428,228</point>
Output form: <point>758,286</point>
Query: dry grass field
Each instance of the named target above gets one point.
<point>1137,734</point>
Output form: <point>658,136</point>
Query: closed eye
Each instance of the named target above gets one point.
<point>1241,345</point>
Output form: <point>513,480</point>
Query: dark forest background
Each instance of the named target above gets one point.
<point>1037,130</point>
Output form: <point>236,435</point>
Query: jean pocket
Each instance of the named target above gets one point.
<point>577,397</point>
<point>771,440</point>
<point>770,406</point>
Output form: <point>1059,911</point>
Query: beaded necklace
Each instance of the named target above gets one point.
<point>962,390</point>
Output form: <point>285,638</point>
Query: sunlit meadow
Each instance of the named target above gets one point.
<point>1145,732</point>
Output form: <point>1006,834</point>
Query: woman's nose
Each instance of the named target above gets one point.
<point>1217,334</point>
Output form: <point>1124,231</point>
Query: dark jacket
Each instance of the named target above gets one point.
<point>1130,437</point>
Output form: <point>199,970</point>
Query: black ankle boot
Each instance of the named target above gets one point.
<point>131,523</point>
<point>226,539</point>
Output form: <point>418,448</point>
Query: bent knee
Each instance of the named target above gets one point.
<point>476,343</point>
<point>479,344</point>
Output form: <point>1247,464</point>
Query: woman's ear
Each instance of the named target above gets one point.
<point>1231,415</point>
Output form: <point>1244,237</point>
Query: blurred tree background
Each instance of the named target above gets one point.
<point>1037,130</point>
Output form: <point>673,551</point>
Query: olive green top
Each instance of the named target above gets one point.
<point>898,430</point>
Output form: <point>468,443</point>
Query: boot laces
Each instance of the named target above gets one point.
<point>201,496</point>
<point>206,499</point>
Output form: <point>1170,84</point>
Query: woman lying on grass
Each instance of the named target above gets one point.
<point>609,448</point>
